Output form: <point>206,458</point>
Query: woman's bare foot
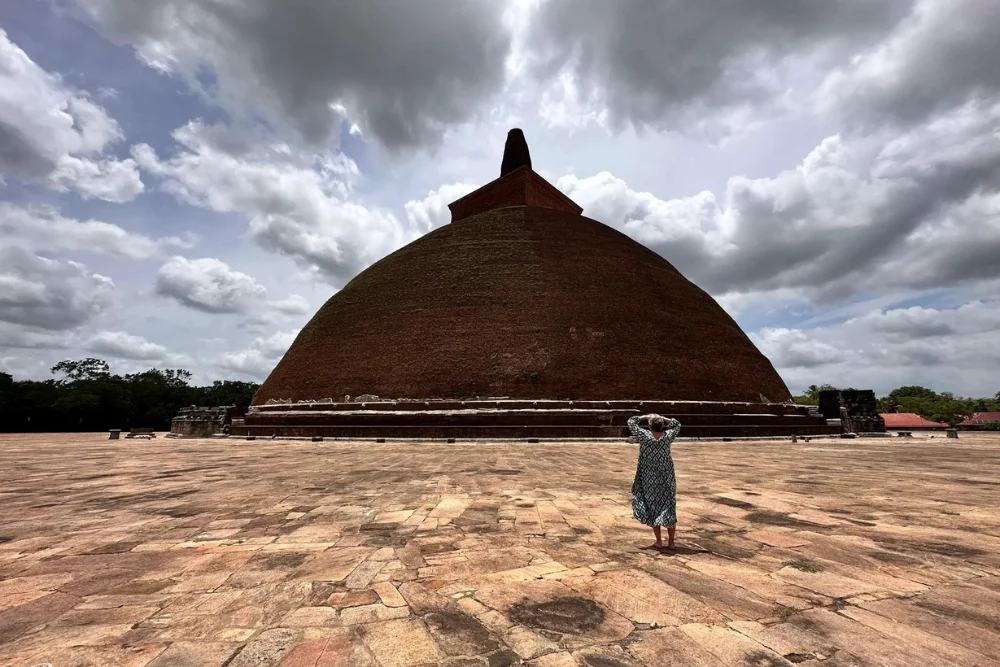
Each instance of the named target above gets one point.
<point>655,545</point>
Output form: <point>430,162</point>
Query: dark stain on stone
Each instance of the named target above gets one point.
<point>265,521</point>
<point>893,558</point>
<point>426,549</point>
<point>483,528</point>
<point>761,659</point>
<point>571,615</point>
<point>503,658</point>
<point>779,519</point>
<point>289,527</point>
<point>858,522</point>
<point>460,634</point>
<point>603,661</point>
<point>466,662</point>
<point>938,548</point>
<point>141,587</point>
<point>385,540</point>
<point>475,517</point>
<point>320,593</point>
<point>981,620</point>
<point>797,657</point>
<point>181,512</point>
<point>805,623</point>
<point>727,550</point>
<point>379,527</point>
<point>551,636</point>
<point>113,548</point>
<point>582,531</point>
<point>838,604</point>
<point>739,504</point>
<point>279,561</point>
<point>5,538</point>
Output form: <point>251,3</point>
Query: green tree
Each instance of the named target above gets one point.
<point>87,396</point>
<point>229,392</point>
<point>913,392</point>
<point>888,404</point>
<point>950,412</point>
<point>83,369</point>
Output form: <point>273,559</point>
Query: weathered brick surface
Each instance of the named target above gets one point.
<point>573,309</point>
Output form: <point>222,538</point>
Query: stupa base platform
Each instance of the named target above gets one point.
<point>514,419</point>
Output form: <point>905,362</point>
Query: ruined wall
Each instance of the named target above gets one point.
<point>858,408</point>
<point>204,422</point>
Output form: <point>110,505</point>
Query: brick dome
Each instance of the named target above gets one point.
<point>523,302</point>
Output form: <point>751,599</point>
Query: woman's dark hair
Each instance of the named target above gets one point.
<point>656,423</point>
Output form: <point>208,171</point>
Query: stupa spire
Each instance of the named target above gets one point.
<point>515,152</point>
<point>516,186</point>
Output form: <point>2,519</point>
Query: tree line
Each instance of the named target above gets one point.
<point>942,407</point>
<point>86,396</point>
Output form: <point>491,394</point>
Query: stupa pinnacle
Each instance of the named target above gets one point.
<point>517,186</point>
<point>515,152</point>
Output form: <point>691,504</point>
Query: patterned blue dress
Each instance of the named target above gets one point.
<point>654,491</point>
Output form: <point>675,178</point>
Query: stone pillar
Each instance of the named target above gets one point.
<point>952,433</point>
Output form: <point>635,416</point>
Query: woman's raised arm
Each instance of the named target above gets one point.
<point>673,428</point>
<point>633,425</point>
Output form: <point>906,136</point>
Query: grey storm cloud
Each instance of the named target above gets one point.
<point>950,349</point>
<point>402,70</point>
<point>859,213</point>
<point>945,54</point>
<point>662,64</point>
<point>50,294</point>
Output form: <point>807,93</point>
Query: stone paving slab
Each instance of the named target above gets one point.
<point>313,554</point>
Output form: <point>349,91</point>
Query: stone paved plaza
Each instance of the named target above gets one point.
<point>213,552</point>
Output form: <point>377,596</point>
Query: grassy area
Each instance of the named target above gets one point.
<point>804,564</point>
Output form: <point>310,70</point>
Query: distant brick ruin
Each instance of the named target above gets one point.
<point>202,422</point>
<point>856,408</point>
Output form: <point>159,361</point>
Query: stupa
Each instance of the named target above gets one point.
<point>522,318</point>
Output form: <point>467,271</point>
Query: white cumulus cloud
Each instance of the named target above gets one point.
<point>209,285</point>
<point>56,135</point>
<point>50,294</point>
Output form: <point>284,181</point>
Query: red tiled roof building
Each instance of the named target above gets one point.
<point>909,421</point>
<point>980,420</point>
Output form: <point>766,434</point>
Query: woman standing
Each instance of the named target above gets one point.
<point>654,491</point>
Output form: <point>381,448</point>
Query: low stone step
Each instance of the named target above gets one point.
<point>519,432</point>
<point>509,418</point>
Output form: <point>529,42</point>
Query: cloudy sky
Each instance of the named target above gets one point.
<point>184,182</point>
